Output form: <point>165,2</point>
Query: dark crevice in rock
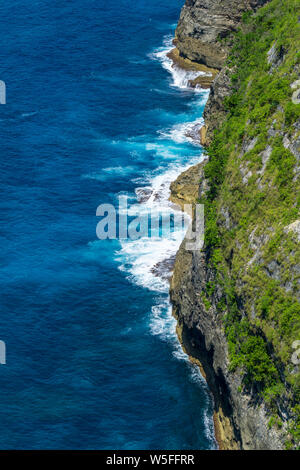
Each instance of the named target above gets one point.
<point>194,344</point>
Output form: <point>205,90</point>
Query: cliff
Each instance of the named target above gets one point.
<point>204,26</point>
<point>237,300</point>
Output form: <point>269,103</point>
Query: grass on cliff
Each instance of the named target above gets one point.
<point>256,258</point>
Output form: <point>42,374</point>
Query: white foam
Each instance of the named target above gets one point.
<point>162,323</point>
<point>33,113</point>
<point>180,77</point>
<point>138,258</point>
<point>109,172</point>
<point>184,132</point>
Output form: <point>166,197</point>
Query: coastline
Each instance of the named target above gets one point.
<point>205,76</point>
<point>184,190</point>
<point>183,193</point>
<point>218,298</point>
<point>184,72</point>
<point>216,418</point>
<point>148,262</point>
<point>187,64</point>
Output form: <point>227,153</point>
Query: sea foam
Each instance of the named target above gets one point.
<point>180,77</point>
<point>139,258</point>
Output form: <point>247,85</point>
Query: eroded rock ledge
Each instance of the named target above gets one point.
<point>186,189</point>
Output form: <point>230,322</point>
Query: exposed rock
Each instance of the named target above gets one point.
<point>247,177</point>
<point>189,65</point>
<point>204,23</point>
<point>256,243</point>
<point>214,112</point>
<point>193,132</point>
<point>275,56</point>
<point>248,145</point>
<point>242,422</point>
<point>292,143</point>
<point>206,74</point>
<point>203,132</point>
<point>239,422</point>
<point>224,212</point>
<point>273,269</point>
<point>294,228</point>
<point>186,189</point>
<point>296,95</point>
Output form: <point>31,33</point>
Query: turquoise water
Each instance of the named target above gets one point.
<point>94,110</point>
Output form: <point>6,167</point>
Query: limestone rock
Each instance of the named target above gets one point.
<point>204,23</point>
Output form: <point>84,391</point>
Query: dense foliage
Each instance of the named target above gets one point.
<point>256,259</point>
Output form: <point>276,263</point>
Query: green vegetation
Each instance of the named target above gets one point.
<point>256,259</point>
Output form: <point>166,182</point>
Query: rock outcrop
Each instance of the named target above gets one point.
<point>186,189</point>
<point>206,74</point>
<point>203,26</point>
<point>214,112</point>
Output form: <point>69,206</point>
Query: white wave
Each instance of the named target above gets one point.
<point>162,151</point>
<point>25,115</point>
<point>140,257</point>
<point>209,426</point>
<point>180,77</point>
<point>162,322</point>
<point>184,132</point>
<point>118,169</point>
<point>109,172</point>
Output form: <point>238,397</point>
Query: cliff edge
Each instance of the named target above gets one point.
<point>237,300</point>
<point>205,24</point>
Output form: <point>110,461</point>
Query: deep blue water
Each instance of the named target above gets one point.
<point>92,357</point>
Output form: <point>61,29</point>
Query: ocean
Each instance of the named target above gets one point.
<point>94,110</point>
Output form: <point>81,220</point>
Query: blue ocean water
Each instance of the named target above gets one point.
<point>93,111</point>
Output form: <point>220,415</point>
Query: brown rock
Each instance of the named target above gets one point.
<point>204,24</point>
<point>202,133</point>
<point>189,185</point>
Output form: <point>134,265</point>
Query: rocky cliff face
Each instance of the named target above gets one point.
<point>204,24</point>
<point>237,301</point>
<point>241,420</point>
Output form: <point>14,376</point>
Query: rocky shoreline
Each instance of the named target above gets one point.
<point>241,418</point>
<point>186,190</point>
<point>206,74</point>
